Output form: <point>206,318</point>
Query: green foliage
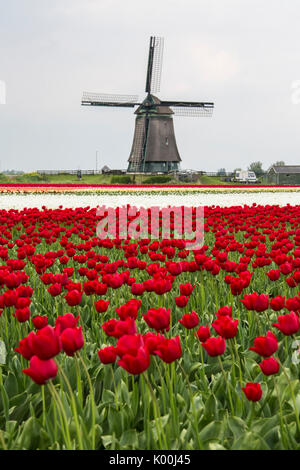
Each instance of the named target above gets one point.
<point>257,168</point>
<point>158,179</point>
<point>121,179</point>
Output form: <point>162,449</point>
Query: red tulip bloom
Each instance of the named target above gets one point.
<point>137,289</point>
<point>46,343</point>
<point>181,301</point>
<point>269,366</point>
<point>129,344</point>
<point>265,345</point>
<point>55,289</point>
<point>252,391</point>
<point>107,355</point>
<point>40,322</point>
<point>288,324</point>
<point>169,349</point>
<point>224,311</point>
<point>65,321</point>
<point>189,320</point>
<point>10,298</point>
<point>137,363</point>
<point>119,328</point>
<point>293,304</point>
<point>22,314</point>
<point>40,371</point>
<point>152,340</point>
<point>214,346</point>
<point>101,305</point>
<point>203,333</point>
<point>130,309</point>
<point>273,274</point>
<point>73,298</point>
<point>161,286</point>
<point>277,303</point>
<point>25,348</point>
<point>226,327</point>
<point>72,340</point>
<point>256,302</point>
<point>158,318</point>
<point>186,289</point>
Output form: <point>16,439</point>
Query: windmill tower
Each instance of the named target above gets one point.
<point>154,147</point>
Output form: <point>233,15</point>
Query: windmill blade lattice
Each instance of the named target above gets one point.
<point>105,99</point>
<point>157,64</point>
<point>190,111</point>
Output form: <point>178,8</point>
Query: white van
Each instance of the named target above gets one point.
<point>245,176</point>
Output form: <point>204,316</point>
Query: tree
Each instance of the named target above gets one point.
<point>280,163</point>
<point>257,168</point>
<point>221,172</point>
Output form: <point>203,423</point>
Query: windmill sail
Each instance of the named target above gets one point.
<point>104,99</point>
<point>155,58</point>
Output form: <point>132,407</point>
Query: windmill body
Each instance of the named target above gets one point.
<point>154,148</point>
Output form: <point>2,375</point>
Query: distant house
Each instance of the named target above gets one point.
<point>286,174</point>
<point>105,169</point>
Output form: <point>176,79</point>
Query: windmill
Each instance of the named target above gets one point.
<point>154,147</point>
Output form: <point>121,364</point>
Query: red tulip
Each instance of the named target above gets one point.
<point>65,321</point>
<point>203,333</point>
<point>226,327</point>
<point>269,366</point>
<point>158,318</point>
<point>72,340</point>
<point>101,305</point>
<point>40,371</point>
<point>55,289</point>
<point>252,391</point>
<point>169,349</point>
<point>256,302</point>
<point>45,343</point>
<point>265,345</point>
<point>181,301</point>
<point>277,303</point>
<point>224,311</point>
<point>25,348</point>
<point>119,328</point>
<point>73,298</point>
<point>107,355</point>
<point>288,324</point>
<point>40,322</point>
<point>189,320</point>
<point>137,363</point>
<point>214,346</point>
<point>186,289</point>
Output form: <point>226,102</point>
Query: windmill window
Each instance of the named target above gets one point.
<point>167,141</point>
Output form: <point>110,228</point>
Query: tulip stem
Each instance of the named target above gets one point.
<point>280,408</point>
<point>193,407</point>
<point>74,408</point>
<point>92,401</point>
<point>292,395</point>
<point>251,414</point>
<point>79,386</point>
<point>62,415</point>
<point>156,413</point>
<point>227,385</point>
<point>44,405</point>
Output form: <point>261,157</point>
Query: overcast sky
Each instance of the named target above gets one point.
<point>241,54</point>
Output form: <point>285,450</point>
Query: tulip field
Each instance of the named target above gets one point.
<point>136,343</point>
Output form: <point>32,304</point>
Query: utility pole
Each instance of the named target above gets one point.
<point>96,161</point>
